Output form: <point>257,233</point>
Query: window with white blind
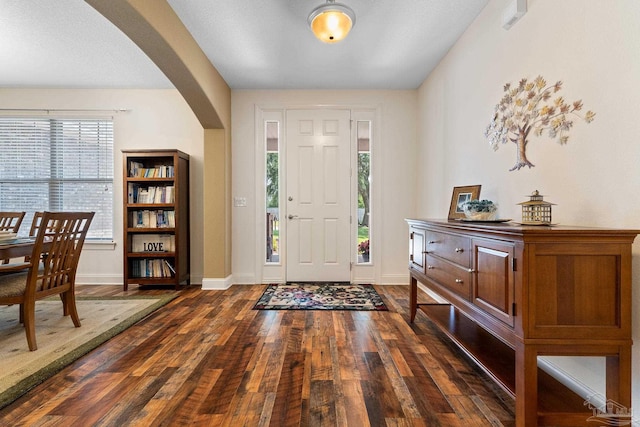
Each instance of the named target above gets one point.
<point>58,165</point>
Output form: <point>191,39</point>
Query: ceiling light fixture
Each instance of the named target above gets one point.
<point>331,22</point>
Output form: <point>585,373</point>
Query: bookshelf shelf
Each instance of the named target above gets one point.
<point>154,181</point>
<point>156,217</point>
<point>152,255</point>
<point>151,230</point>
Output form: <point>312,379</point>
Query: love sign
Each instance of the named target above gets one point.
<point>153,243</point>
<point>153,247</point>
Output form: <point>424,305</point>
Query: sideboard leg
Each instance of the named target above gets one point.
<point>619,377</point>
<point>413,298</point>
<point>526,385</point>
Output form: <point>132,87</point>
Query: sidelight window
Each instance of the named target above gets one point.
<point>363,136</point>
<point>272,181</point>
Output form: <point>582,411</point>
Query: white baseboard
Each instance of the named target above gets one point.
<point>572,383</point>
<point>389,279</point>
<point>394,279</point>
<point>99,279</point>
<point>105,279</point>
<point>216,284</point>
<point>195,279</point>
<point>244,279</point>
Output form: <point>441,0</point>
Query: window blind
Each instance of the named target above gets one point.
<point>58,165</point>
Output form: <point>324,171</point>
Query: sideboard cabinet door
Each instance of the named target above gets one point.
<point>417,259</point>
<point>493,284</point>
<point>579,290</point>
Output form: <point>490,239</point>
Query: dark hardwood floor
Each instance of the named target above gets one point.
<point>208,359</point>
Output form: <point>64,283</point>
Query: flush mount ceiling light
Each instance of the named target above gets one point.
<point>331,22</point>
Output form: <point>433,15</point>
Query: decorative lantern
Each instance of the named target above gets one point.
<point>536,211</point>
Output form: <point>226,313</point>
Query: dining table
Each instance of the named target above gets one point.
<point>16,248</point>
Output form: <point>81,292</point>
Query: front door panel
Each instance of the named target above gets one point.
<point>318,195</point>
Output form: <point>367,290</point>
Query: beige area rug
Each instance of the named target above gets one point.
<point>59,342</point>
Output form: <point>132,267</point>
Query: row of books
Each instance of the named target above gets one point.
<point>139,194</point>
<point>137,170</point>
<point>153,243</point>
<point>144,268</point>
<point>154,219</point>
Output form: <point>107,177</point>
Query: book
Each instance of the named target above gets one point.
<point>150,267</point>
<point>168,264</point>
<point>149,218</point>
<point>138,170</point>
<point>151,194</point>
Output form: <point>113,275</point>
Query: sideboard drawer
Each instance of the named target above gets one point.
<point>450,247</point>
<point>455,278</point>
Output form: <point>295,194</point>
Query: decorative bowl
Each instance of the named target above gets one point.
<point>480,210</point>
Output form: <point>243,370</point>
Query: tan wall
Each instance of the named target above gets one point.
<point>393,152</point>
<point>158,31</point>
<point>155,119</point>
<point>217,227</point>
<point>593,46</point>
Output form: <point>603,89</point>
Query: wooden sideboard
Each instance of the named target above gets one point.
<point>518,292</point>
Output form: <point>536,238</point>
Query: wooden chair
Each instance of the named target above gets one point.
<point>35,223</point>
<point>33,231</point>
<point>61,237</point>
<point>10,221</point>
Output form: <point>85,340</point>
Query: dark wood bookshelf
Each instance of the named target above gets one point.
<point>178,271</point>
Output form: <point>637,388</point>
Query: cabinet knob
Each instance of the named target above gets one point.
<point>431,242</point>
<point>459,250</point>
<point>459,281</point>
<point>430,267</point>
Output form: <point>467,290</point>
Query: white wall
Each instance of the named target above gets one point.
<point>156,119</point>
<point>593,46</point>
<point>395,175</point>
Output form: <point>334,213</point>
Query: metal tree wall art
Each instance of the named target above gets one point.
<point>529,107</point>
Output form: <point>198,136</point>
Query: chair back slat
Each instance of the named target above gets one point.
<point>35,223</point>
<point>10,221</point>
<point>58,245</point>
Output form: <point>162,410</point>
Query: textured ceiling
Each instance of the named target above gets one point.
<point>69,45</point>
<point>254,44</point>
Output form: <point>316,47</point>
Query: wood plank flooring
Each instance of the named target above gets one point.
<point>208,359</point>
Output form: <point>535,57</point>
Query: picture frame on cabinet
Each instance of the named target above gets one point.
<point>460,195</point>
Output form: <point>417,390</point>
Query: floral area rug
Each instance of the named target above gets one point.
<point>320,296</point>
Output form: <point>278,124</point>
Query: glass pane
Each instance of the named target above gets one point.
<point>364,190</point>
<point>272,179</point>
<point>58,165</point>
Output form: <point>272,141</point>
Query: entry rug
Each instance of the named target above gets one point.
<point>320,296</point>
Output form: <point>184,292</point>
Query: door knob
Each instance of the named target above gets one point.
<point>292,216</point>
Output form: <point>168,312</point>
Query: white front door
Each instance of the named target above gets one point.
<point>318,195</point>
